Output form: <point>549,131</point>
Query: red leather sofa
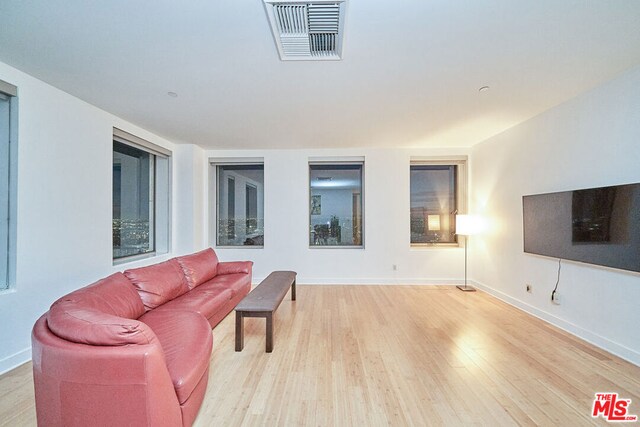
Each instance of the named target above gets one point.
<point>133,349</point>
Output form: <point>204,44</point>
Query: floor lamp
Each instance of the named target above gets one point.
<point>465,227</point>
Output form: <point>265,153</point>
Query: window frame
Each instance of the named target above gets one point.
<point>247,205</point>
<point>214,163</point>
<point>334,162</point>
<point>10,94</point>
<point>461,162</point>
<point>161,220</point>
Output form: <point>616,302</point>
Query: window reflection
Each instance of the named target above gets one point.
<point>240,205</point>
<point>335,205</point>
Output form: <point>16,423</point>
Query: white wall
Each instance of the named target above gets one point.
<point>189,210</point>
<point>386,222</point>
<point>590,141</point>
<point>64,204</point>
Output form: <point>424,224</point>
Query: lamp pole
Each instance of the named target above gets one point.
<point>464,227</point>
<point>466,244</point>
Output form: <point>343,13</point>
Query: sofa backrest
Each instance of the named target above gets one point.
<point>199,267</point>
<point>103,313</point>
<point>158,283</point>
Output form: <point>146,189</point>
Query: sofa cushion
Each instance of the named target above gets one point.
<point>204,301</point>
<point>234,267</point>
<point>199,267</point>
<point>187,341</point>
<point>158,283</point>
<point>112,295</point>
<point>82,325</point>
<point>237,282</point>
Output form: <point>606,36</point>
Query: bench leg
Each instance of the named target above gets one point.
<point>293,291</point>
<point>269,322</point>
<point>239,331</point>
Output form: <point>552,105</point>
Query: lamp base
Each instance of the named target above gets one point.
<point>465,288</point>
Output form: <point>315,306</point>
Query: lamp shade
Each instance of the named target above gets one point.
<point>433,222</point>
<point>466,225</point>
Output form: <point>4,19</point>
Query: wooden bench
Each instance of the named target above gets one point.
<point>263,302</point>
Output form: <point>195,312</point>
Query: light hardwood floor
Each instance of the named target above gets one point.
<point>393,355</point>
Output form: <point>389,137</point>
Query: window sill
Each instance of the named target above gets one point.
<point>133,258</point>
<point>241,247</point>
<point>9,290</point>
<point>427,246</point>
<point>334,247</point>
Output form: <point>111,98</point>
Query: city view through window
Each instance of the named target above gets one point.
<point>133,201</point>
<point>433,203</point>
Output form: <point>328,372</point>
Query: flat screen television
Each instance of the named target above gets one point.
<point>595,225</point>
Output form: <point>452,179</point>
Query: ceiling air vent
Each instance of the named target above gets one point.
<point>307,30</point>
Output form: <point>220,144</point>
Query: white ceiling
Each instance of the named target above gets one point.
<point>410,74</point>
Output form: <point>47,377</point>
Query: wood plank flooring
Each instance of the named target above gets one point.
<point>393,355</point>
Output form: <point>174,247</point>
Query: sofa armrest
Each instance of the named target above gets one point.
<point>235,267</point>
<point>79,384</point>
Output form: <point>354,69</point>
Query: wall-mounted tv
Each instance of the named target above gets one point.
<point>596,225</point>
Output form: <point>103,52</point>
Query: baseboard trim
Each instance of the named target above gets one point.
<point>15,360</point>
<point>612,347</point>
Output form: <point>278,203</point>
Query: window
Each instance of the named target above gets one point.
<point>240,212</point>
<point>335,204</point>
<point>8,162</point>
<point>140,197</point>
<point>436,197</point>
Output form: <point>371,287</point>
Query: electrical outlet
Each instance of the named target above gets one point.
<point>395,267</point>
<point>555,298</point>
<point>529,288</point>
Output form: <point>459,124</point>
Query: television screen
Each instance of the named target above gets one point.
<point>597,225</point>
